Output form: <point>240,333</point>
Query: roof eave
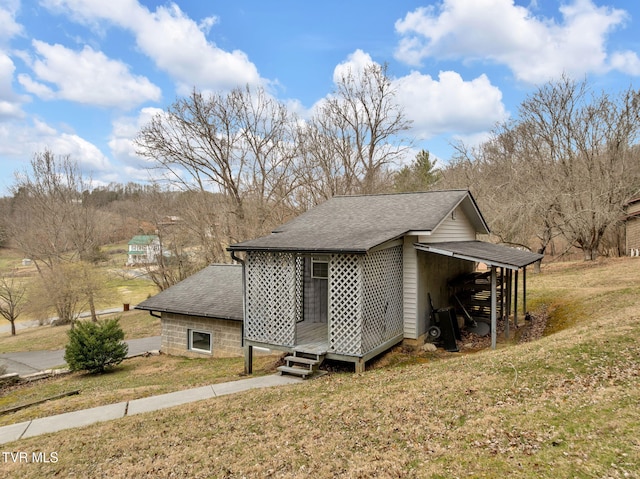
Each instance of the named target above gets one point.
<point>186,313</point>
<point>280,249</point>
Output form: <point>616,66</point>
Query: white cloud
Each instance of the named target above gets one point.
<point>124,131</point>
<point>449,104</point>
<point>8,25</point>
<point>536,49</point>
<point>10,103</point>
<point>355,63</point>
<point>19,140</point>
<point>626,62</point>
<point>175,42</point>
<point>88,156</point>
<point>87,76</point>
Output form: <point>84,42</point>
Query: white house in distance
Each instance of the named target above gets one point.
<point>143,249</point>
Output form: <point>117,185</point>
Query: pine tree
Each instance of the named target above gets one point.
<point>94,346</point>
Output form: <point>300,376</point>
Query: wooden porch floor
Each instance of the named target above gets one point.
<point>312,337</point>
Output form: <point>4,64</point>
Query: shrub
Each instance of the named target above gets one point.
<point>95,346</point>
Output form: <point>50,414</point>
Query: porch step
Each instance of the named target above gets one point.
<point>301,360</point>
<point>302,372</point>
<point>301,364</point>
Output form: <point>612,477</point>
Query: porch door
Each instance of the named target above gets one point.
<point>316,289</point>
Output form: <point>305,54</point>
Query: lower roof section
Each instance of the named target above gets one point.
<point>482,252</point>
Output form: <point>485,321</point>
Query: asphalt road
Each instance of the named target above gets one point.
<point>35,361</point>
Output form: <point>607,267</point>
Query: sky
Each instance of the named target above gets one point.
<point>82,77</point>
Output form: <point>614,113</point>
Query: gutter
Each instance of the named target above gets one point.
<point>244,288</point>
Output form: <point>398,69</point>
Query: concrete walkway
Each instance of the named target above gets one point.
<point>85,417</point>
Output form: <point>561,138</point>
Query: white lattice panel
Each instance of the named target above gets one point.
<point>272,297</point>
<point>345,304</point>
<point>382,297</point>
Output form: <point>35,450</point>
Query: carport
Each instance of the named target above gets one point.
<point>495,256</point>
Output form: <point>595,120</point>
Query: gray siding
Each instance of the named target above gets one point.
<point>458,229</point>
<point>410,287</point>
<point>421,276</point>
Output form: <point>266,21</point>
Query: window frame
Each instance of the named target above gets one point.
<point>190,346</point>
<point>324,260</point>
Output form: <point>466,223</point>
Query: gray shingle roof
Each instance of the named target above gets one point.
<point>489,253</point>
<point>359,223</point>
<point>213,292</point>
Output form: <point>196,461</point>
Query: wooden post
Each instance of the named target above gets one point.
<point>493,308</point>
<point>504,317</point>
<point>248,359</point>
<point>509,286</point>
<point>524,290</point>
<point>515,300</point>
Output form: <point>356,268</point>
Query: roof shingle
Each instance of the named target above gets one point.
<point>213,292</point>
<point>359,223</point>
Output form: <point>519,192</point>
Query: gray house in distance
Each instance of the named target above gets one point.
<point>352,277</point>
<point>201,315</point>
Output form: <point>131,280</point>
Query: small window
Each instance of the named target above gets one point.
<point>199,341</point>
<point>320,267</point>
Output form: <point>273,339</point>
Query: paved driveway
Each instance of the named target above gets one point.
<point>35,361</point>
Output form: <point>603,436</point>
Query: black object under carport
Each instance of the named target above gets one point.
<point>443,324</point>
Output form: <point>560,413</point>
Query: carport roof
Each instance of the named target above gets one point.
<point>482,252</point>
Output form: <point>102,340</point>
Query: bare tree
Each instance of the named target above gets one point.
<point>12,300</point>
<point>52,225</point>
<point>585,141</point>
<point>238,144</point>
<point>355,137</point>
<point>565,166</point>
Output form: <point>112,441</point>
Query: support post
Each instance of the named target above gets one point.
<point>524,290</point>
<point>515,301</point>
<point>505,317</point>
<point>248,359</point>
<point>508,289</point>
<point>493,308</point>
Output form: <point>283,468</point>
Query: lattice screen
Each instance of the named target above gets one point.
<point>345,304</point>
<point>382,298</point>
<point>273,291</point>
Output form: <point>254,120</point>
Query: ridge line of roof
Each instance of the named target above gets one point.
<point>402,193</point>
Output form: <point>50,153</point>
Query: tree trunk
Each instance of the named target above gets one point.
<point>13,328</point>
<point>92,307</point>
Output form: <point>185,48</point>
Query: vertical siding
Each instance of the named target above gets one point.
<point>633,234</point>
<point>458,229</point>
<point>410,287</point>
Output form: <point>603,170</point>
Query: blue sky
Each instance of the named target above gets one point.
<point>81,77</point>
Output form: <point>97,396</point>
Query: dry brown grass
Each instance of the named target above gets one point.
<point>563,406</point>
<point>134,323</point>
<point>135,378</point>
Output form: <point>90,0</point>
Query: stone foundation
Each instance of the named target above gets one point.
<point>226,335</point>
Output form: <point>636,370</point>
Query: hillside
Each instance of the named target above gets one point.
<point>566,405</point>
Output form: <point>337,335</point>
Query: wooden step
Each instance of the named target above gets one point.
<point>301,360</point>
<point>303,373</point>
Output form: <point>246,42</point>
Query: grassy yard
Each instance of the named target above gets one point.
<point>565,405</point>
<point>134,323</point>
<point>122,284</point>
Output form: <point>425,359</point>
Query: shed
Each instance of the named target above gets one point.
<point>351,277</point>
<point>632,227</point>
<point>201,315</point>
